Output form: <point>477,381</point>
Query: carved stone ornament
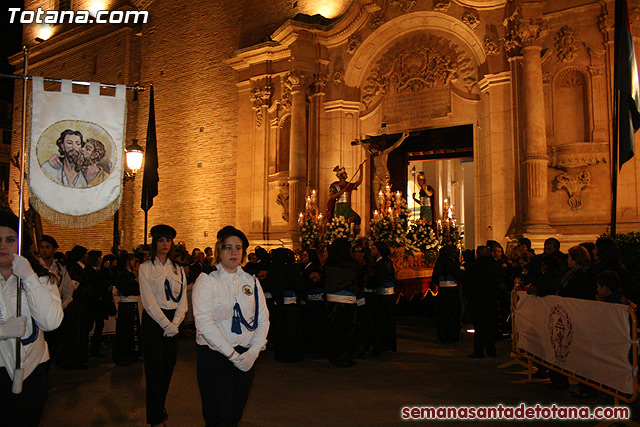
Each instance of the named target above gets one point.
<point>320,83</point>
<point>531,31</point>
<point>491,47</point>
<point>260,97</point>
<point>352,44</point>
<point>421,62</point>
<point>595,70</point>
<point>566,44</point>
<point>282,199</point>
<point>376,21</point>
<point>292,81</point>
<point>511,41</point>
<point>441,5</point>
<point>471,19</point>
<point>574,183</point>
<point>405,5</point>
<point>338,77</point>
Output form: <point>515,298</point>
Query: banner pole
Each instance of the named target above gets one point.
<point>18,373</point>
<point>614,162</point>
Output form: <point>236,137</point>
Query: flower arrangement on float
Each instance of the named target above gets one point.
<point>310,223</point>
<point>423,237</point>
<point>391,224</point>
<point>338,227</point>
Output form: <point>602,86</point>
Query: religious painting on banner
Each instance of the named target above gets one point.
<point>76,153</point>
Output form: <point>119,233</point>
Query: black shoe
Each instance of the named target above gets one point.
<point>476,356</point>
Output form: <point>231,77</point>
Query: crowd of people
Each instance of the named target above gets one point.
<point>480,286</point>
<point>337,303</point>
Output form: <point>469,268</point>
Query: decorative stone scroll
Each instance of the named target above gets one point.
<point>419,63</point>
<point>292,81</point>
<point>352,44</point>
<point>260,97</point>
<point>405,5</point>
<point>376,21</point>
<point>441,5</point>
<point>574,183</point>
<point>282,199</point>
<point>566,44</point>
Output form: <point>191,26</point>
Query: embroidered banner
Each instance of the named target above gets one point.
<point>589,338</point>
<point>76,153</point>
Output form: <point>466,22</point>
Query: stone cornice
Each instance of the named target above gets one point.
<point>331,35</point>
<point>494,79</point>
<point>578,154</point>
<point>482,4</point>
<point>269,51</point>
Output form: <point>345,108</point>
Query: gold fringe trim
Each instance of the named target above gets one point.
<point>71,221</point>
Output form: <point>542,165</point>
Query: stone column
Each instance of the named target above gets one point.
<point>531,30</point>
<point>297,150</point>
<point>260,97</point>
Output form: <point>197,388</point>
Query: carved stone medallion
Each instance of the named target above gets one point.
<point>574,183</point>
<point>566,44</point>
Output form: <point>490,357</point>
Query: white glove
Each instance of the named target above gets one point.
<point>245,361</point>
<point>171,330</point>
<point>14,327</point>
<point>21,267</point>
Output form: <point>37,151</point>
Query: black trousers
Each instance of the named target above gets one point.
<point>24,409</point>
<point>126,346</point>
<point>484,339</point>
<point>384,323</point>
<point>223,387</point>
<point>160,354</point>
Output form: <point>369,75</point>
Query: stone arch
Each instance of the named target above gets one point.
<point>387,34</point>
<point>571,106</point>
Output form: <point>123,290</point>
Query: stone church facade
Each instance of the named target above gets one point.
<point>257,102</point>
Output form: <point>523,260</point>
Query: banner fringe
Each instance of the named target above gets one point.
<point>71,221</point>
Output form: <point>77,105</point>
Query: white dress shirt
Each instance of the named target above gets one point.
<point>214,296</point>
<point>40,302</point>
<point>151,277</point>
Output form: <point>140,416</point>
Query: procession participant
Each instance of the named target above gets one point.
<point>41,311</point>
<point>74,350</point>
<point>162,288</point>
<point>284,283</point>
<point>384,301</point>
<point>342,280</point>
<point>126,343</point>
<point>46,249</point>
<point>232,322</point>
<point>446,273</point>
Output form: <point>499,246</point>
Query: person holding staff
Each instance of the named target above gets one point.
<point>41,311</point>
<point>163,286</point>
<point>232,322</point>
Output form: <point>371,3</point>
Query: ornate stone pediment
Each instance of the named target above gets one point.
<point>421,62</point>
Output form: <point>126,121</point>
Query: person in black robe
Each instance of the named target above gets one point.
<point>285,288</point>
<point>480,285</point>
<point>312,294</point>
<point>74,351</point>
<point>384,300</point>
<point>446,273</point>
<point>126,346</point>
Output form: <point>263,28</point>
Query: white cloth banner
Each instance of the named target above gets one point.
<point>76,153</point>
<point>589,338</point>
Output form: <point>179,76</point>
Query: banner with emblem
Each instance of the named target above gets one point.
<point>589,338</point>
<point>76,153</point>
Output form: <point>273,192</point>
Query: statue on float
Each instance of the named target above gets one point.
<point>339,203</point>
<point>426,198</point>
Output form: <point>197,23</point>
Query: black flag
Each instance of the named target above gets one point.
<point>150,177</point>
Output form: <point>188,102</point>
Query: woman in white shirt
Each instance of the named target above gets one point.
<point>41,311</point>
<point>163,285</point>
<point>232,322</point>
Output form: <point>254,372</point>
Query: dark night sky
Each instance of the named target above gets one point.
<point>11,43</point>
